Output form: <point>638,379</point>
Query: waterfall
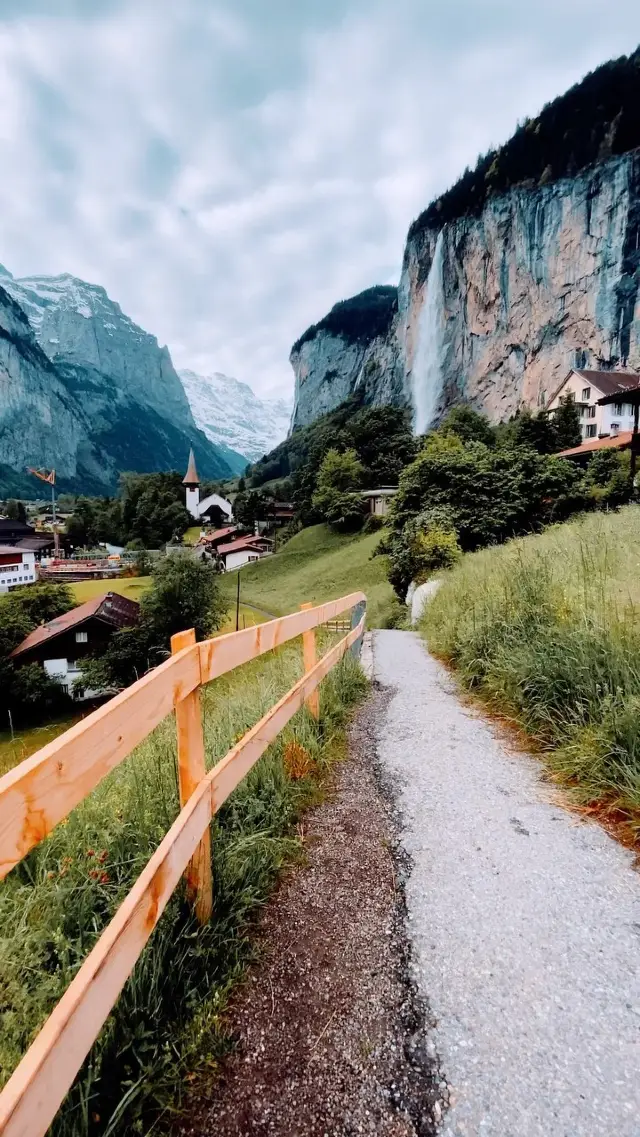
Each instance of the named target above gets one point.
<point>426,372</point>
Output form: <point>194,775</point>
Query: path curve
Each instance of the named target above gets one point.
<point>524,921</point>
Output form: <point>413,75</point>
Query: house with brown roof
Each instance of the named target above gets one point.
<point>242,551</point>
<point>611,419</point>
<point>59,645</point>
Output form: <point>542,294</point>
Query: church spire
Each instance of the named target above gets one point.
<point>191,477</point>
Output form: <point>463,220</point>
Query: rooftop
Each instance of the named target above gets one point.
<point>115,609</point>
<point>610,382</point>
<point>614,442</point>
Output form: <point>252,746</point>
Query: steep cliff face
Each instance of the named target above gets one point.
<point>86,391</point>
<point>353,349</point>
<point>495,309</point>
<point>39,422</point>
<point>528,265</point>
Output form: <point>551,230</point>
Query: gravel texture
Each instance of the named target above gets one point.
<point>331,1034</point>
<point>524,921</point>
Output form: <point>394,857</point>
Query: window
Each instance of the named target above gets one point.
<point>81,637</point>
<point>590,431</point>
<point>591,412</point>
<point>586,394</point>
<point>615,427</point>
<point>618,409</point>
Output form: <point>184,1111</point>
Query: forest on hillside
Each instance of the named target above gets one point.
<point>596,119</point>
<point>359,319</point>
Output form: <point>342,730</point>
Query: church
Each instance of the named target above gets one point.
<point>213,509</point>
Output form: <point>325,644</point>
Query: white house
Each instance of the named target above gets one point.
<point>214,502</point>
<point>586,387</point>
<point>244,550</point>
<point>17,567</point>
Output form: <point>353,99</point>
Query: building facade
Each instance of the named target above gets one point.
<point>60,645</point>
<point>17,567</point>
<point>585,388</point>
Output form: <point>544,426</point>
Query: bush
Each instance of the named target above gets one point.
<point>373,523</point>
<point>336,498</point>
<point>426,544</point>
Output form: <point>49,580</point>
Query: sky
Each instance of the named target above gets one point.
<point>229,171</point>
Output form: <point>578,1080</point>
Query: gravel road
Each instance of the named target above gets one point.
<point>524,922</point>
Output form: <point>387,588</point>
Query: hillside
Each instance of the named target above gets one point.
<point>317,565</point>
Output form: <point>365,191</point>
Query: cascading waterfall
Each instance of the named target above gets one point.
<point>426,373</point>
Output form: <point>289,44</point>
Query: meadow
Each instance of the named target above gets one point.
<point>168,1025</point>
<point>546,631</point>
<point>317,565</point>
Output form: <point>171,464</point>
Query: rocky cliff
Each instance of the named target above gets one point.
<point>353,349</point>
<point>527,266</point>
<point>87,391</point>
<point>234,418</point>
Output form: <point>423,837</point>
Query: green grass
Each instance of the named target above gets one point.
<point>192,535</point>
<point>131,586</point>
<point>547,630</point>
<point>27,741</point>
<point>166,1025</point>
<point>315,565</point>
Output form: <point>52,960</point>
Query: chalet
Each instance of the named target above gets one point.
<point>212,541</point>
<point>17,567</point>
<point>213,507</point>
<point>243,551</point>
<point>59,645</point>
<point>600,398</point>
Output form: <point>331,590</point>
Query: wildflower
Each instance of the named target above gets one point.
<point>94,874</point>
<point>104,878</point>
<point>91,852</point>
<point>50,875</point>
<point>101,858</point>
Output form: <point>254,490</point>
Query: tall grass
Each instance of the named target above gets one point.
<point>54,905</point>
<point>547,630</point>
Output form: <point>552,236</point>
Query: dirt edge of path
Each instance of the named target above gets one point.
<point>331,1035</point>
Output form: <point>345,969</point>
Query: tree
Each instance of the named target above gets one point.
<point>16,510</point>
<point>535,431</point>
<point>336,498</point>
<point>606,481</point>
<point>566,421</point>
<point>25,689</point>
<point>468,425</point>
<point>184,594</point>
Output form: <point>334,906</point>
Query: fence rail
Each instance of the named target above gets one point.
<point>43,789</point>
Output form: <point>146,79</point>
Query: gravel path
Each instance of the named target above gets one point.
<point>524,922</point>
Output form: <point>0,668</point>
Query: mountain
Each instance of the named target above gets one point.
<point>87,391</point>
<point>350,350</point>
<point>233,417</point>
<point>527,266</point>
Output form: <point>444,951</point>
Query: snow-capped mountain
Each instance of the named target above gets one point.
<point>84,389</point>
<point>231,415</point>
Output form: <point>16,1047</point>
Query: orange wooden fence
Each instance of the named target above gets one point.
<point>43,789</point>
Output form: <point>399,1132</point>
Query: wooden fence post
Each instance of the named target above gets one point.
<point>191,771</point>
<point>309,659</point>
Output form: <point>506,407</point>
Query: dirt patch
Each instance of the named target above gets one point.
<point>331,1036</point>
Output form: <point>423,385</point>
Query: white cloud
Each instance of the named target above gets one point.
<point>229,172</point>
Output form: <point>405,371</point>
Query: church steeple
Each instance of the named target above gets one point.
<point>191,477</point>
<point>191,482</point>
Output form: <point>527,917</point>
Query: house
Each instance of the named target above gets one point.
<point>59,645</point>
<point>240,552</point>
<point>13,531</point>
<point>587,388</point>
<point>378,500</point>
<point>214,506</point>
<point>17,567</point>
<point>212,541</point>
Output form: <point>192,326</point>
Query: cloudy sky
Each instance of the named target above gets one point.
<point>229,170</point>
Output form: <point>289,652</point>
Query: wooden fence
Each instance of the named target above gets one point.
<point>43,789</point>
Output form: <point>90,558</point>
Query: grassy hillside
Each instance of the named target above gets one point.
<point>547,631</point>
<point>131,586</point>
<point>317,565</point>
